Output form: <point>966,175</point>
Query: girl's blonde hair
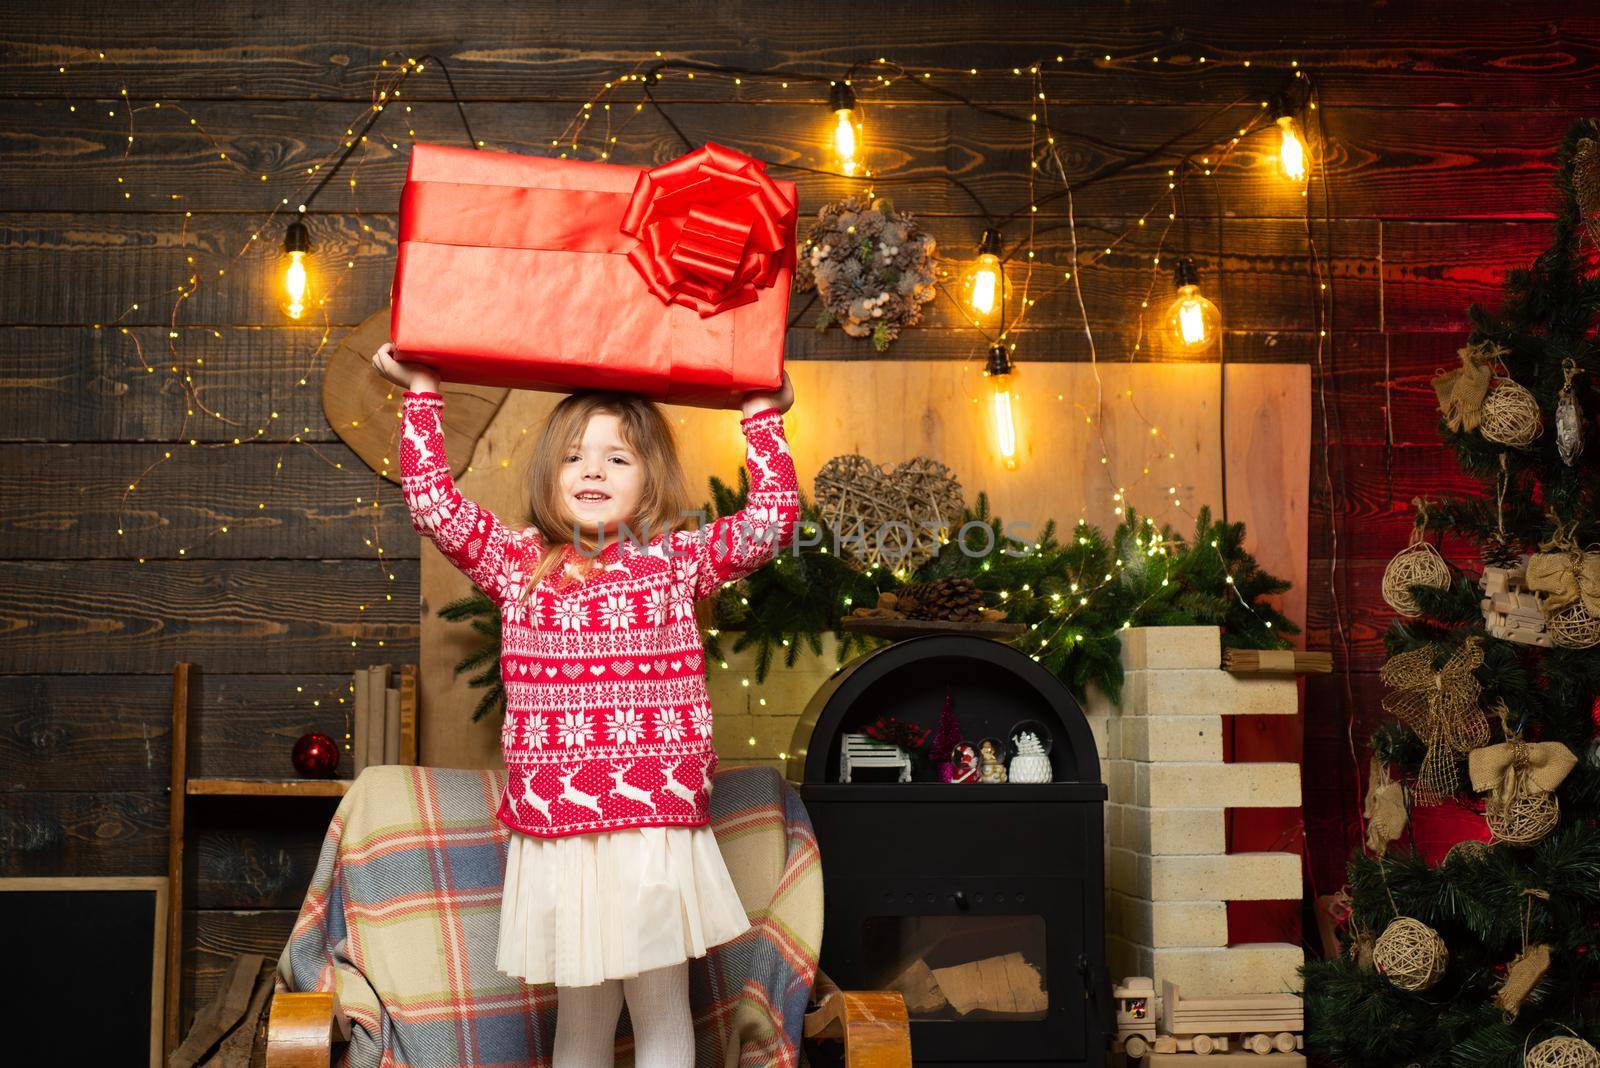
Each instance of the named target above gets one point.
<point>664,504</point>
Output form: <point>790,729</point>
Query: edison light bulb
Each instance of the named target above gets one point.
<point>1193,322</point>
<point>296,245</point>
<point>1292,151</point>
<point>847,126</point>
<point>294,282</point>
<point>1001,400</point>
<point>985,282</point>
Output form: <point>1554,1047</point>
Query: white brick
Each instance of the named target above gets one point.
<point>1171,647</point>
<point>1256,968</point>
<point>1167,923</point>
<point>1209,877</point>
<point>1120,783</point>
<point>1096,703</point>
<point>1210,785</point>
<point>1122,959</point>
<point>1224,877</point>
<point>1169,831</point>
<point>1207,693</point>
<point>1100,727</point>
<point>1169,738</point>
<point>1123,873</point>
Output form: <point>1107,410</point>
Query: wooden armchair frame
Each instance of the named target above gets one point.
<point>302,1029</point>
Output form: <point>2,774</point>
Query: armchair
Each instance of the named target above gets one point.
<point>392,956</point>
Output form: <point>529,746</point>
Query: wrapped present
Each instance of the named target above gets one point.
<point>552,274</point>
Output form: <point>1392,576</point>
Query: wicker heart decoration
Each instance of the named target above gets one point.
<point>899,515</point>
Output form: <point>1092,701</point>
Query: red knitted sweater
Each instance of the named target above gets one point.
<point>608,719</point>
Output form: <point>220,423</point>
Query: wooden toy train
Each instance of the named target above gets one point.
<point>1263,1023</point>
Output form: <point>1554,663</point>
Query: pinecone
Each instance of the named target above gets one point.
<point>1499,550</point>
<point>956,599</point>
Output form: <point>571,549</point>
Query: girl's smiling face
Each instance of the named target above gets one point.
<point>601,478</point>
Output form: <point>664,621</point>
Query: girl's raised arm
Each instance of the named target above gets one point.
<point>470,536</point>
<point>735,545</point>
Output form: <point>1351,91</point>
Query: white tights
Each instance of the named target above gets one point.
<point>658,1005</point>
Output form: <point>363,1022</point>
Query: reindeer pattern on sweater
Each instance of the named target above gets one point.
<point>608,719</point>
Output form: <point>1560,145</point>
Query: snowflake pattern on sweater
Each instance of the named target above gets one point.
<point>608,718</point>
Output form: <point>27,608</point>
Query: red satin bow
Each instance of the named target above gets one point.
<point>712,229</point>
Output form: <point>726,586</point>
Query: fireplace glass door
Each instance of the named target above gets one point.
<point>963,967</point>
<point>990,966</point>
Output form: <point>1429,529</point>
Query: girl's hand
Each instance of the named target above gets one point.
<point>412,376</point>
<point>781,398</point>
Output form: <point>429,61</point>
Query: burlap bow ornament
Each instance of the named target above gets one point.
<point>1441,708</point>
<point>1565,577</point>
<point>1461,392</point>
<point>1385,808</point>
<point>1542,766</point>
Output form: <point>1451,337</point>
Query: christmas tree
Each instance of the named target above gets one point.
<point>1491,956</point>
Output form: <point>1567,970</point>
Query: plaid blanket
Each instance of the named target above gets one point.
<point>402,921</point>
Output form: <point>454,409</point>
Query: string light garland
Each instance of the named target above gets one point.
<point>183,371</point>
<point>847,115</point>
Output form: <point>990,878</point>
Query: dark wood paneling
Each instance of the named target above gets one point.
<point>84,833</point>
<point>250,501</point>
<point>93,617</point>
<point>78,384</point>
<point>1372,500</point>
<point>1509,54</point>
<point>93,270</point>
<point>213,937</point>
<point>244,726</point>
<point>1422,164</point>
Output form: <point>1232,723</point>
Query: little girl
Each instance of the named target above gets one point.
<point>614,879</point>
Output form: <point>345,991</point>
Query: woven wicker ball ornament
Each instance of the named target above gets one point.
<point>1418,564</point>
<point>1573,627</point>
<point>1510,415</point>
<point>1562,1052</point>
<point>1527,818</point>
<point>899,515</point>
<point>1410,954</point>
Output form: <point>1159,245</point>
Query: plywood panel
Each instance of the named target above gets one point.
<point>1069,417</point>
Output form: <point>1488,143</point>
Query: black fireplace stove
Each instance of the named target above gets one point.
<point>982,903</point>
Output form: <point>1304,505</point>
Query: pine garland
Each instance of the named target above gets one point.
<point>1074,596</point>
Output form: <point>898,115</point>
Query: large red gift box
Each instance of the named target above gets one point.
<point>556,274</point>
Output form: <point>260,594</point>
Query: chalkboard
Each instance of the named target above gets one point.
<point>91,956</point>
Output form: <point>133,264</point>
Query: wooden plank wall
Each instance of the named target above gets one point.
<point>1440,122</point>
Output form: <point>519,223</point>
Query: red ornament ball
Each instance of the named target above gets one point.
<point>1594,712</point>
<point>316,756</point>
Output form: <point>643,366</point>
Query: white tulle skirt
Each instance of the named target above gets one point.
<point>585,908</point>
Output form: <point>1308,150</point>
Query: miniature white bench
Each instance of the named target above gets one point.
<point>864,751</point>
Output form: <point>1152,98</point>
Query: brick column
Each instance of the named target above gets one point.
<point>1168,873</point>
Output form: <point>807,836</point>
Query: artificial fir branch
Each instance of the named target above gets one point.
<point>484,617</point>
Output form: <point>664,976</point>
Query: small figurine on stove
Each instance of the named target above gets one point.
<point>991,764</point>
<point>963,763</point>
<point>1032,760</point>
